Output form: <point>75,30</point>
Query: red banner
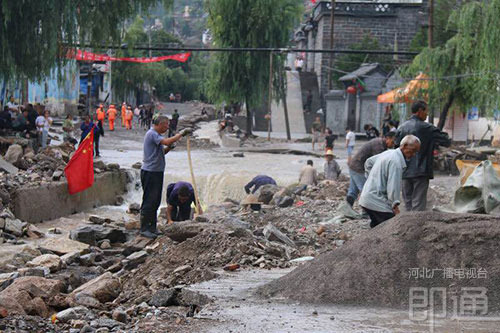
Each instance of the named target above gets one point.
<point>89,56</point>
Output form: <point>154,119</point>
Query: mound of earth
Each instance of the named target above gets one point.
<point>426,249</point>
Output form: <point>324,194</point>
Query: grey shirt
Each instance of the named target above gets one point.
<point>369,149</point>
<point>383,186</point>
<point>154,156</point>
<point>332,170</point>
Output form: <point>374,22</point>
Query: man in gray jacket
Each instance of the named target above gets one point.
<point>380,197</point>
<point>420,168</point>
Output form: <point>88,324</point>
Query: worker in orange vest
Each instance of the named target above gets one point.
<point>129,116</point>
<point>101,115</point>
<point>124,112</point>
<point>111,117</point>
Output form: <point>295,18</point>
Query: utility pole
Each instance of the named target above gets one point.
<point>270,98</point>
<point>332,30</point>
<point>430,38</point>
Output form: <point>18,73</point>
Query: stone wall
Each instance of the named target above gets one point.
<point>52,200</point>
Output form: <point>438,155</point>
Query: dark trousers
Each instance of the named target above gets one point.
<point>152,186</point>
<point>415,193</point>
<point>378,217</point>
<point>96,145</point>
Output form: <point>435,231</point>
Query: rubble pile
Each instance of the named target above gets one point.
<point>403,246</point>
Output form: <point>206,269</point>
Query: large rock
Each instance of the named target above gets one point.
<point>180,231</point>
<point>14,153</point>
<point>15,226</point>
<point>93,233</point>
<point>266,193</point>
<point>413,250</point>
<point>51,261</point>
<point>26,295</point>
<point>135,259</point>
<point>67,315</point>
<point>164,297</point>
<point>62,246</point>
<point>104,288</point>
<point>17,255</point>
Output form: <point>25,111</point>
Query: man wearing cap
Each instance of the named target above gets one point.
<point>357,163</point>
<point>152,172</point>
<point>111,117</point>
<point>257,182</point>
<point>331,167</point>
<point>380,197</point>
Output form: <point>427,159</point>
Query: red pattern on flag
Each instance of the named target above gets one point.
<point>89,56</point>
<point>80,169</point>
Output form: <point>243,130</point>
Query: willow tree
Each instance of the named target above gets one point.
<point>34,32</point>
<point>244,76</point>
<point>465,70</point>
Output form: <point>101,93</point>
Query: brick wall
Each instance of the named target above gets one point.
<point>403,20</point>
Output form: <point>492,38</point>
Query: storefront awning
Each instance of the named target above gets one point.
<point>414,90</point>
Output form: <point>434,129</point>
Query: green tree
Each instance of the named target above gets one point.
<point>33,32</point>
<point>465,70</point>
<point>350,62</point>
<point>243,76</point>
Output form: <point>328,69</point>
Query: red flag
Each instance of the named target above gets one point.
<point>89,56</point>
<point>313,1</point>
<point>80,169</point>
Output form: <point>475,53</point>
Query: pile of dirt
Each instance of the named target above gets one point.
<point>426,249</point>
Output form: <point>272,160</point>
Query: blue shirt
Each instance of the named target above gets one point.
<point>173,194</point>
<point>259,181</point>
<point>154,156</point>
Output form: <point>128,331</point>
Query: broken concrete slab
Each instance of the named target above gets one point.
<point>62,246</point>
<point>7,167</point>
<point>273,234</point>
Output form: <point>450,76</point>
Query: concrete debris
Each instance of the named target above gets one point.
<point>7,167</point>
<point>273,234</point>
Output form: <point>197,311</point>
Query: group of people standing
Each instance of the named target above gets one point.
<point>143,115</point>
<point>378,172</point>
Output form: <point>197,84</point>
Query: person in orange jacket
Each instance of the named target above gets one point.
<point>124,112</point>
<point>129,116</point>
<point>101,115</point>
<point>111,117</point>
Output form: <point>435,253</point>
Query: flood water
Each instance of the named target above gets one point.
<point>237,309</point>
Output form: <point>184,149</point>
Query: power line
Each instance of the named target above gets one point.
<point>245,49</point>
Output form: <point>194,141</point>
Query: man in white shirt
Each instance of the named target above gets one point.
<point>42,126</point>
<point>350,141</point>
<point>13,108</point>
<point>380,197</point>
